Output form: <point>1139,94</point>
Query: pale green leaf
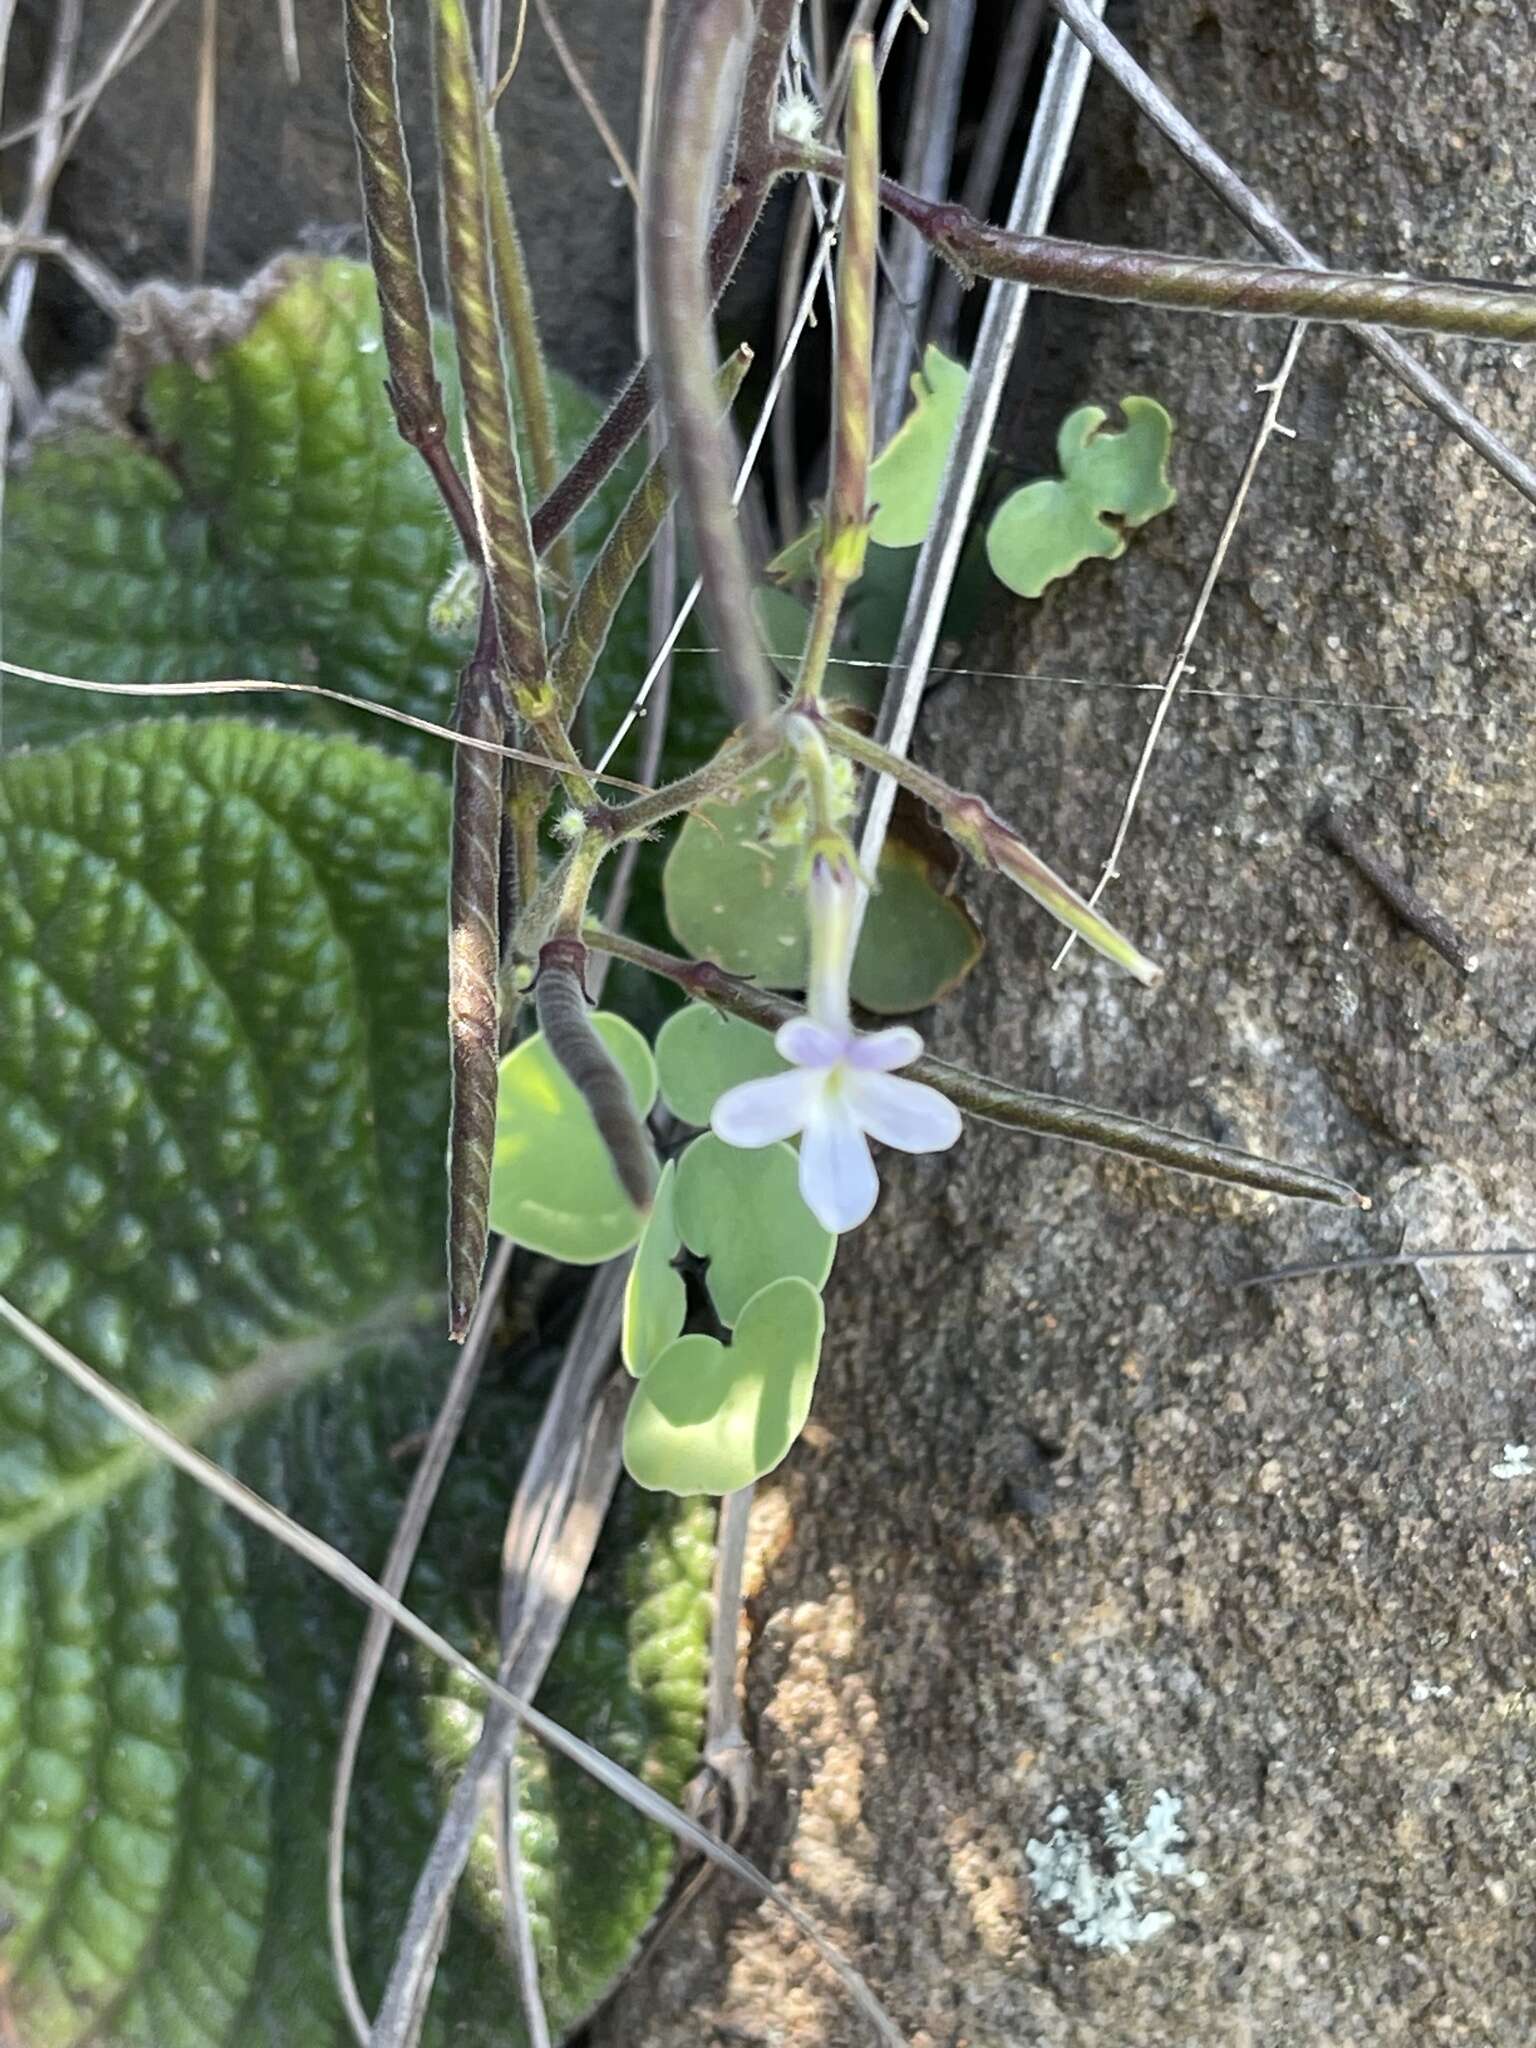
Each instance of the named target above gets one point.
<point>699,1054</point>
<point>1111,481</point>
<point>743,1212</point>
<point>709,1418</point>
<point>733,900</point>
<point>553,1187</point>
<point>655,1298</point>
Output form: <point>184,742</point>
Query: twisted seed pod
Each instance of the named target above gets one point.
<point>474,960</point>
<point>561,1000</point>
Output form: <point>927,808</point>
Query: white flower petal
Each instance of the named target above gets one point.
<point>837,1175</point>
<point>810,1044</point>
<point>877,1052</point>
<point>762,1112</point>
<point>906,1114</point>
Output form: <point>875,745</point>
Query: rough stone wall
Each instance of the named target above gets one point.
<point>1277,1576</point>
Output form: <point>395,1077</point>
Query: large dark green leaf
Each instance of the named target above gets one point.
<point>222,1103</point>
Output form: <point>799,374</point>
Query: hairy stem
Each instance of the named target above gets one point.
<point>997,1102</point>
<point>501,515</point>
<point>619,561</point>
<point>1197,284</point>
<point>614,823</point>
<point>530,368</point>
<point>705,60</point>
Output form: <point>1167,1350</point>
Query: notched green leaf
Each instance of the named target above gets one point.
<point>905,476</point>
<point>709,1417</point>
<point>743,1212</point>
<point>655,1298</point>
<point>553,1187</point>
<point>1111,481</point>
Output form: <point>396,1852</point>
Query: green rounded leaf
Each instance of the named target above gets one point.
<point>655,1298</point>
<point>744,1213</point>
<point>699,1054</point>
<point>553,1187</point>
<point>919,942</point>
<point>905,476</point>
<point>1047,529</point>
<point>709,1418</point>
<point>732,899</point>
<point>223,1090</point>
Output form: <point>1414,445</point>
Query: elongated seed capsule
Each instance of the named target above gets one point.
<point>561,1000</point>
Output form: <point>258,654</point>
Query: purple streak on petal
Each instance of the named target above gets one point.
<point>810,1044</point>
<point>837,1175</point>
<point>906,1114</point>
<point>762,1112</point>
<point>877,1052</point>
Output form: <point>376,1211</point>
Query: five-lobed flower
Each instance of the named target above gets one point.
<point>842,1088</point>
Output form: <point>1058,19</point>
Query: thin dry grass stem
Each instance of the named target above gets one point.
<point>1002,321</point>
<point>1179,666</point>
<point>1319,1269</point>
<point>493,43</point>
<point>414,1516</point>
<point>204,140</point>
<point>53,143</point>
<point>288,37</point>
<point>552,1530</point>
<point>926,168</point>
<point>143,26</point>
<point>92,276</point>
<point>1267,226</point>
<point>592,106</point>
<point>1005,97</point>
<point>334,1565</point>
<point>262,685</point>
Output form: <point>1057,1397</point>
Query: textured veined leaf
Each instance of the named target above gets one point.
<point>234,500</point>
<point>223,1089</point>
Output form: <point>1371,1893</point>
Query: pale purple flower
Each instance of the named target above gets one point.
<point>841,1089</point>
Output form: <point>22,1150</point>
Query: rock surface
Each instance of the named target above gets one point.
<point>1275,1574</point>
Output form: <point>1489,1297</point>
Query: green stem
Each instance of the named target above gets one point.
<point>614,823</point>
<point>1089,270</point>
<point>530,367</point>
<point>997,1102</point>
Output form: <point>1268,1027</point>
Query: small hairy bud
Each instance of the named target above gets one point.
<point>799,117</point>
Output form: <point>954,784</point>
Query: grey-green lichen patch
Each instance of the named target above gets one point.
<point>1107,1879</point>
